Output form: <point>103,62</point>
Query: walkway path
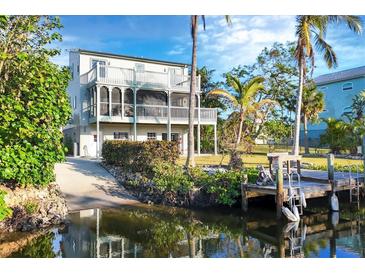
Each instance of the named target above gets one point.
<point>88,185</point>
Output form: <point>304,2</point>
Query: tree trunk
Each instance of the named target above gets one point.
<point>296,144</point>
<point>239,135</point>
<point>305,126</point>
<point>190,161</point>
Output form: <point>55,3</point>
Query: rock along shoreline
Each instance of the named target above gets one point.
<point>34,208</point>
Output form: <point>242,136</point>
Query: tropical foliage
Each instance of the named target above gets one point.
<point>247,107</point>
<point>312,106</point>
<point>311,29</point>
<point>33,99</point>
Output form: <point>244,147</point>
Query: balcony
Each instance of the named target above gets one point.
<point>124,113</point>
<point>118,76</point>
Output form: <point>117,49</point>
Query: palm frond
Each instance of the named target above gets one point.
<point>326,50</point>
<point>225,94</point>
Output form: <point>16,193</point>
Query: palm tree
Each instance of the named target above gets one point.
<point>357,108</point>
<point>243,99</point>
<point>312,105</point>
<point>311,29</point>
<point>190,162</point>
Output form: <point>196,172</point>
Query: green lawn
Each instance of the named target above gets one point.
<point>258,157</point>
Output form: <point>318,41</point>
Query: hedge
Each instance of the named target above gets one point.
<point>139,156</point>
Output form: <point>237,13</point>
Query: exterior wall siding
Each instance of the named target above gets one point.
<point>336,101</point>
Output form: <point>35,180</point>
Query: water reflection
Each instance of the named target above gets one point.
<point>161,232</point>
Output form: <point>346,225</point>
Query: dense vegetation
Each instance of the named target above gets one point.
<point>139,156</point>
<point>5,211</point>
<point>155,161</point>
<point>33,99</point>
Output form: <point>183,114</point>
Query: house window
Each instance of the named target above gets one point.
<point>95,138</point>
<point>324,88</point>
<point>120,135</point>
<point>347,86</point>
<point>151,135</point>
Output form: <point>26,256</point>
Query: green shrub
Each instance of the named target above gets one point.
<point>5,211</point>
<point>169,177</point>
<point>139,156</point>
<point>33,101</point>
<point>31,207</point>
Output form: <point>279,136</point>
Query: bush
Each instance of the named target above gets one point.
<point>139,156</point>
<point>34,102</point>
<point>31,207</point>
<point>5,211</point>
<point>168,177</point>
<point>226,186</point>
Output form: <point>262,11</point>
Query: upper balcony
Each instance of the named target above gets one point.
<point>118,76</point>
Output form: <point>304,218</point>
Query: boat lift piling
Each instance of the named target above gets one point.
<point>313,183</point>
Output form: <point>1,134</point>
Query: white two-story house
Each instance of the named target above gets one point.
<point>122,97</point>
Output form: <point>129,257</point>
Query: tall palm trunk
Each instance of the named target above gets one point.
<point>298,108</point>
<point>190,161</point>
<point>305,127</point>
<point>239,135</point>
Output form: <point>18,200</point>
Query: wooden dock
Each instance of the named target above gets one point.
<point>313,183</point>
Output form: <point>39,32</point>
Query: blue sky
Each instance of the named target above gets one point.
<point>220,47</point>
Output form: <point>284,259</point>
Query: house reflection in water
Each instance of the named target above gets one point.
<point>136,233</point>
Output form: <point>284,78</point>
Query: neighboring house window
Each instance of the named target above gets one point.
<point>151,135</point>
<point>120,135</point>
<point>347,86</point>
<point>323,88</point>
<point>95,138</point>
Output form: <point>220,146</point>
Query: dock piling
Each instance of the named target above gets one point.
<point>279,189</point>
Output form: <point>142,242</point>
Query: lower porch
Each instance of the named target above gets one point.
<point>89,146</point>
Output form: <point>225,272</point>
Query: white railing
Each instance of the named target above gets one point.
<point>115,75</point>
<point>152,79</point>
<point>182,82</point>
<point>148,79</point>
<point>152,111</point>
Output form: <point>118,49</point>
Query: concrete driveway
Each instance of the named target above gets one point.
<point>88,185</point>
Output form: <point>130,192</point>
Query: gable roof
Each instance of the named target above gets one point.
<point>131,58</point>
<point>340,75</point>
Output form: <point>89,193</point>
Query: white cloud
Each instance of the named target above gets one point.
<point>222,47</point>
<point>177,50</point>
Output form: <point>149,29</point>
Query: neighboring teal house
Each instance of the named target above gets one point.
<point>339,89</point>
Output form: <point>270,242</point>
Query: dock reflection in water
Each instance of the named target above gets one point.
<point>170,232</point>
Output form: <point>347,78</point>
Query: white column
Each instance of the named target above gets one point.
<point>198,131</point>
<point>215,140</point>
<point>135,113</point>
<point>97,122</point>
<point>110,101</point>
<point>169,115</point>
<point>122,90</point>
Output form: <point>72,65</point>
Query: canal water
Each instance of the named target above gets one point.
<point>170,232</point>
